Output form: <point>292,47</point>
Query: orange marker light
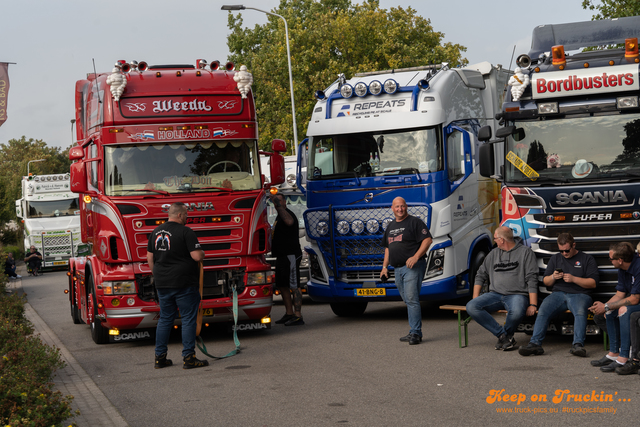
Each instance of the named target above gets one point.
<point>557,53</point>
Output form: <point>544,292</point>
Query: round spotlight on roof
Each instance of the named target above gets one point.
<point>375,88</point>
<point>386,222</point>
<point>346,91</point>
<point>360,89</point>
<point>343,227</point>
<point>390,86</point>
<point>357,226</point>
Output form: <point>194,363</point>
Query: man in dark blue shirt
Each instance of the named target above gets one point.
<point>619,308</point>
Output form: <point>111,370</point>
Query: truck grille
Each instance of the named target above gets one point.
<point>354,251</point>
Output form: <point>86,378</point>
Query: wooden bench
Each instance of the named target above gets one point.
<point>463,323</point>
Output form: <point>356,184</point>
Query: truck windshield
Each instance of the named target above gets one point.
<point>375,153</point>
<point>52,208</point>
<point>181,167</point>
<point>574,149</point>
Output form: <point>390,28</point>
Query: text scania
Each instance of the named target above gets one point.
<point>575,83</point>
<point>591,197</point>
<point>165,106</point>
<point>380,104</point>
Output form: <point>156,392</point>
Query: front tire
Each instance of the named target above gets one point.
<point>348,309</point>
<point>99,334</point>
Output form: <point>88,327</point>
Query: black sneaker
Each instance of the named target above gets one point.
<point>191,362</point>
<point>511,344</point>
<point>294,321</point>
<point>530,349</point>
<point>578,350</point>
<point>631,367</point>
<point>407,338</point>
<point>414,339</point>
<point>601,362</point>
<point>285,319</point>
<point>502,340</point>
<point>611,367</point>
<point>162,361</point>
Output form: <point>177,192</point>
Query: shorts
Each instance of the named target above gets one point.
<point>288,272</point>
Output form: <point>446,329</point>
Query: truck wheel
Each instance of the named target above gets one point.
<point>348,309</point>
<point>99,334</point>
<point>476,262</point>
<point>75,313</point>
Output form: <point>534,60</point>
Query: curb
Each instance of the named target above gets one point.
<point>95,408</point>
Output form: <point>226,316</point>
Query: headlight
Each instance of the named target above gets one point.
<point>346,91</point>
<point>260,278</point>
<point>436,264</point>
<point>373,226</point>
<point>360,89</point>
<point>119,288</point>
<point>357,226</point>
<point>322,228</point>
<point>343,227</point>
<point>304,262</point>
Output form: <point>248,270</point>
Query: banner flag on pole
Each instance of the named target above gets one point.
<point>4,91</point>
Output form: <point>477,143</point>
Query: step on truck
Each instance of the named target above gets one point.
<point>568,152</point>
<point>410,133</point>
<point>51,217</point>
<point>149,136</point>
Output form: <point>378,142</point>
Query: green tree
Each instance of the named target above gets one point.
<point>14,158</point>
<point>612,8</point>
<point>327,37</point>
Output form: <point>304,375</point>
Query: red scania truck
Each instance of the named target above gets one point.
<point>149,136</point>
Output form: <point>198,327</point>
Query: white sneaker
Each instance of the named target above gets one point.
<point>18,276</point>
<point>12,278</point>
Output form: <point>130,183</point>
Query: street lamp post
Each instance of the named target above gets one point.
<point>32,161</point>
<point>286,32</point>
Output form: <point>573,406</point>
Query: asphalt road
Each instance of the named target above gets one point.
<point>336,371</point>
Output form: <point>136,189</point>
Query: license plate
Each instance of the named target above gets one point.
<point>207,312</point>
<point>59,263</point>
<point>371,292</point>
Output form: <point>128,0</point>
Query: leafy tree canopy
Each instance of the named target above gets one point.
<point>327,37</point>
<point>14,158</point>
<point>608,9</point>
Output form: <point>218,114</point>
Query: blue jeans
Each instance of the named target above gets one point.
<point>187,300</point>
<point>480,310</point>
<point>409,281</point>
<point>620,326</point>
<point>557,303</point>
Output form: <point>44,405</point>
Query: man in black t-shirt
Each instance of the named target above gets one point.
<point>573,274</point>
<point>406,241</point>
<point>285,246</point>
<point>173,253</point>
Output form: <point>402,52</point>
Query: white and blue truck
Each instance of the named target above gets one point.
<point>411,133</point>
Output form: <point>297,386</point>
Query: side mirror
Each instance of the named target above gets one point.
<point>76,153</point>
<point>78,177</point>
<point>484,134</point>
<point>486,160</point>
<point>276,167</point>
<point>278,146</point>
<point>505,131</point>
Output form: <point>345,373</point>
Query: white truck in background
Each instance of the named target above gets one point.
<point>51,217</point>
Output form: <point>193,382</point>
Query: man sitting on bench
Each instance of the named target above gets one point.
<point>512,273</point>
<point>572,274</point>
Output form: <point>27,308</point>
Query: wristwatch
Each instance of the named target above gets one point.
<point>606,306</point>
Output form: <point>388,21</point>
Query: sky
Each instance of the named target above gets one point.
<point>53,43</point>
